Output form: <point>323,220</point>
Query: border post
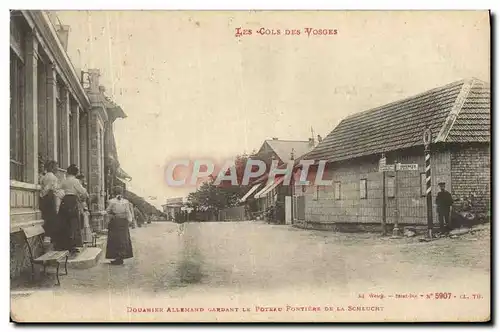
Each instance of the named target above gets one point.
<point>427,137</point>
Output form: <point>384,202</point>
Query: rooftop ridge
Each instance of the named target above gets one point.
<point>442,87</point>
<point>284,140</point>
<point>399,123</point>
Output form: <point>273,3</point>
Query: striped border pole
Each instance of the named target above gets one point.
<point>428,180</point>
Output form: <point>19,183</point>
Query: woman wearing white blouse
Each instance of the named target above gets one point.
<point>48,198</point>
<point>119,246</point>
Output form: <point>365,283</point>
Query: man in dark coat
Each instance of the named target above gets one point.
<point>444,201</point>
<point>139,217</point>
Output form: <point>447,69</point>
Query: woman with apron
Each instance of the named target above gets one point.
<point>119,246</point>
<point>70,223</point>
<point>49,184</point>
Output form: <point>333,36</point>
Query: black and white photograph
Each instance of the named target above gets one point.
<point>250,166</point>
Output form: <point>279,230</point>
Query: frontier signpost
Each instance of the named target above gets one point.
<point>427,138</point>
<point>397,167</point>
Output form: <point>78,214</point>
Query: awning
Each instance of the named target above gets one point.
<point>269,187</point>
<point>250,192</point>
<point>121,174</point>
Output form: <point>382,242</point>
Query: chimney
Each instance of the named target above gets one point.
<point>319,139</point>
<point>94,80</point>
<point>63,34</point>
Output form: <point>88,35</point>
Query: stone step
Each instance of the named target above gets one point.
<point>87,258</point>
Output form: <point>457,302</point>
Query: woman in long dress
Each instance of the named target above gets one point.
<point>49,184</point>
<point>69,218</point>
<point>119,245</point>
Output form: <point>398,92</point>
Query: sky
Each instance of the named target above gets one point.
<point>192,89</point>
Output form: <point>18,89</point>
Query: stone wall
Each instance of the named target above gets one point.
<point>470,173</point>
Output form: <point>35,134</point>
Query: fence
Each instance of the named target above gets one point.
<point>233,214</point>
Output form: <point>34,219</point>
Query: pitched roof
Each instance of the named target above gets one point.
<point>284,148</point>
<point>457,112</point>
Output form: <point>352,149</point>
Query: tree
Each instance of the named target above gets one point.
<point>212,197</point>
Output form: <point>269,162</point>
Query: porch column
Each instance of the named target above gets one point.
<point>96,176</point>
<point>51,112</point>
<point>83,146</point>
<point>75,128</point>
<point>65,129</point>
<point>31,101</point>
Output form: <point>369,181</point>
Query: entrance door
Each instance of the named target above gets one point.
<point>288,210</point>
<point>300,206</point>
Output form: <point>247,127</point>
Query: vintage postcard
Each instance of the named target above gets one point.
<point>250,166</point>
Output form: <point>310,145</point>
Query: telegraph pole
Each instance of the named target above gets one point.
<point>427,152</point>
<point>395,230</point>
<point>384,201</point>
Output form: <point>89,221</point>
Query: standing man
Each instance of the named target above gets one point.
<point>139,216</point>
<point>444,201</point>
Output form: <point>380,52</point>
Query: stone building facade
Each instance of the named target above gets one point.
<point>54,115</point>
<point>459,117</point>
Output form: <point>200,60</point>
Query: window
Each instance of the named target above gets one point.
<point>17,121</point>
<point>423,184</point>
<point>391,186</point>
<point>43,114</point>
<point>337,189</point>
<point>363,190</point>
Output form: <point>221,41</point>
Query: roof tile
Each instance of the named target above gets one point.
<point>400,124</point>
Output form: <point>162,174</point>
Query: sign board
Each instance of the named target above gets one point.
<point>386,168</point>
<point>407,167</point>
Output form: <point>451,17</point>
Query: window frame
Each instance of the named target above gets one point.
<point>365,181</point>
<point>17,153</point>
<point>337,192</point>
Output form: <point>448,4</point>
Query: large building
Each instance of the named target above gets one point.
<point>55,114</point>
<point>173,206</point>
<point>264,195</point>
<point>458,116</point>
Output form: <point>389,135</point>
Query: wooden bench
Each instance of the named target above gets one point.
<point>51,258</point>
